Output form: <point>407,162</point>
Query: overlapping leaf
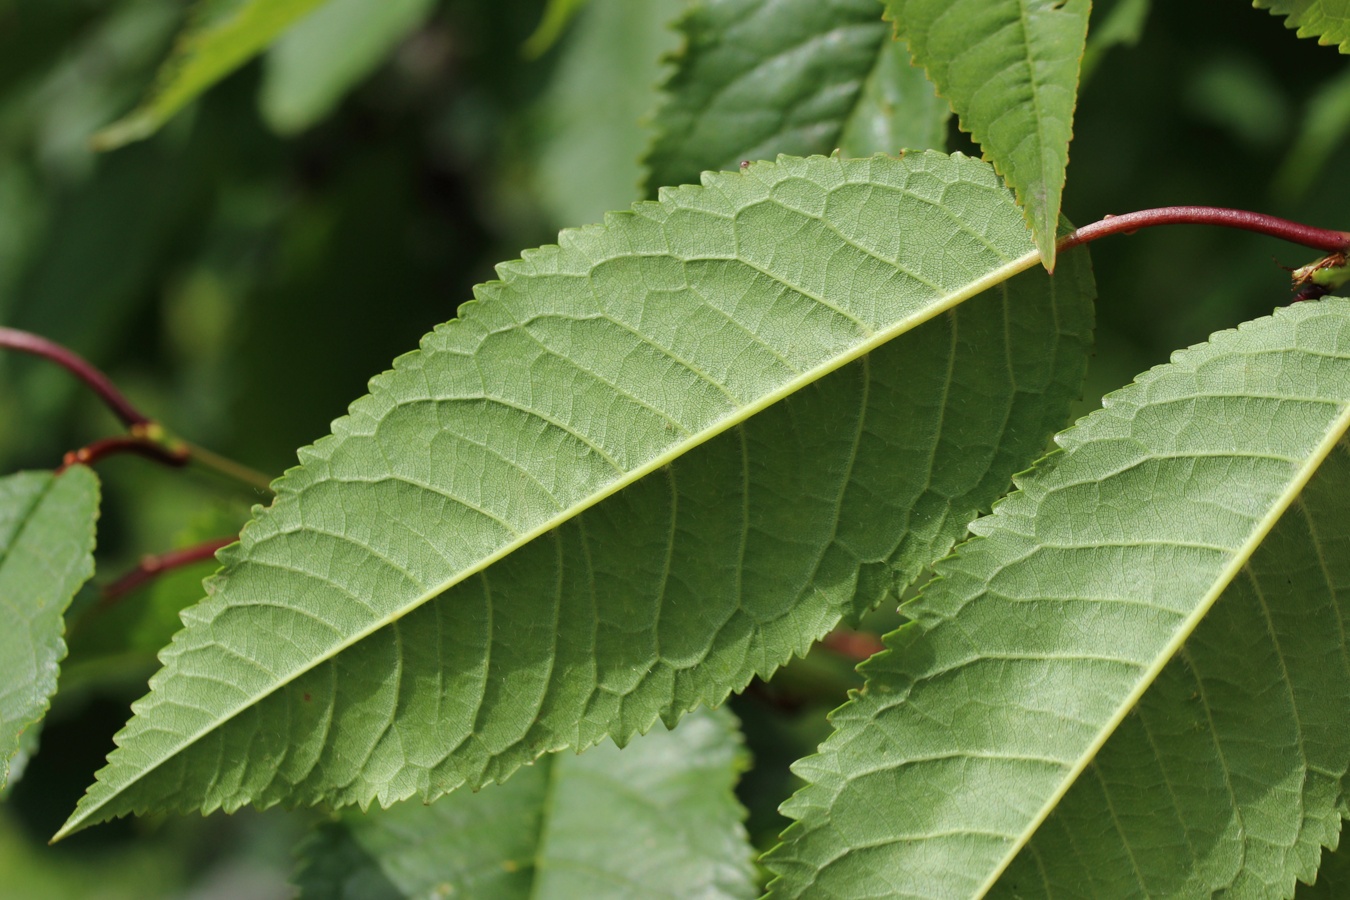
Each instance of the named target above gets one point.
<point>763,77</point>
<point>1326,20</point>
<point>1010,69</point>
<point>221,36</point>
<point>368,601</point>
<point>1229,777</point>
<point>46,553</point>
<point>656,820</point>
<point>1223,472</point>
<point>315,63</point>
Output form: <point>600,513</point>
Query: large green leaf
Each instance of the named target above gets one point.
<point>763,77</point>
<point>306,77</point>
<point>1042,634</point>
<point>46,553</point>
<point>366,601</point>
<point>221,36</point>
<point>657,819</point>
<point>1326,20</point>
<point>1010,70</point>
<point>1228,779</point>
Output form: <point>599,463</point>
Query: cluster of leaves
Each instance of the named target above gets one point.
<point>658,460</point>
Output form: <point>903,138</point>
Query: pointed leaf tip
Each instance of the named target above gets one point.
<point>1010,69</point>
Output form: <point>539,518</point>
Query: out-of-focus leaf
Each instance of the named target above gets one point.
<point>313,65</point>
<point>1326,20</point>
<point>761,77</point>
<point>526,429</point>
<point>1241,96</point>
<point>46,553</point>
<point>1010,70</point>
<point>1221,473</point>
<point>220,37</point>
<point>590,147</point>
<point>1115,24</point>
<point>657,819</point>
<point>1323,129</point>
<point>557,15</point>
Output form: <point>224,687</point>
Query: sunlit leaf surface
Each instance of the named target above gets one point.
<point>646,465</point>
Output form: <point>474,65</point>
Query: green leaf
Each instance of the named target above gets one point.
<point>305,78</point>
<point>1322,130</point>
<point>1010,70</point>
<point>1326,20</point>
<point>721,320</point>
<point>1121,24</point>
<point>589,152</point>
<point>1229,776</point>
<point>46,553</point>
<point>656,819</point>
<point>557,15</point>
<point>763,77</point>
<point>1042,634</point>
<point>221,36</point>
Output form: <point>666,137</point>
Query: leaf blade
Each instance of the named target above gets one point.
<point>1232,807</point>
<point>760,78</point>
<point>1326,20</point>
<point>304,79</point>
<point>658,817</point>
<point>46,554</point>
<point>221,36</point>
<point>1010,69</point>
<point>1063,672</point>
<point>362,531</point>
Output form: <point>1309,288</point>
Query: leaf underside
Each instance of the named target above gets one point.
<point>1326,20</point>
<point>657,819</point>
<point>1042,633</point>
<point>1010,69</point>
<point>46,554</point>
<point>758,78</point>
<point>364,602</point>
<point>220,36</point>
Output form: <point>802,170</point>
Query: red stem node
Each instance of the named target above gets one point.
<point>140,442</point>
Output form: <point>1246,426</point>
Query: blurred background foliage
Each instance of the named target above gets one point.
<point>243,272</point>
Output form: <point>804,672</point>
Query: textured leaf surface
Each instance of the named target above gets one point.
<point>657,819</point>
<point>1045,630</point>
<point>307,76</point>
<point>763,77</point>
<point>1010,70</point>
<point>46,553</point>
<point>1326,20</point>
<point>1228,779</point>
<point>221,36</point>
<point>365,601</point>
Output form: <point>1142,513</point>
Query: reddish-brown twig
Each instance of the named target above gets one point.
<point>153,566</point>
<point>1294,232</point>
<point>23,341</point>
<point>140,442</point>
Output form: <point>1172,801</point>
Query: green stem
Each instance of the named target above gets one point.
<point>200,456</point>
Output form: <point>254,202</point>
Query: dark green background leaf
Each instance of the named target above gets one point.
<point>657,819</point>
